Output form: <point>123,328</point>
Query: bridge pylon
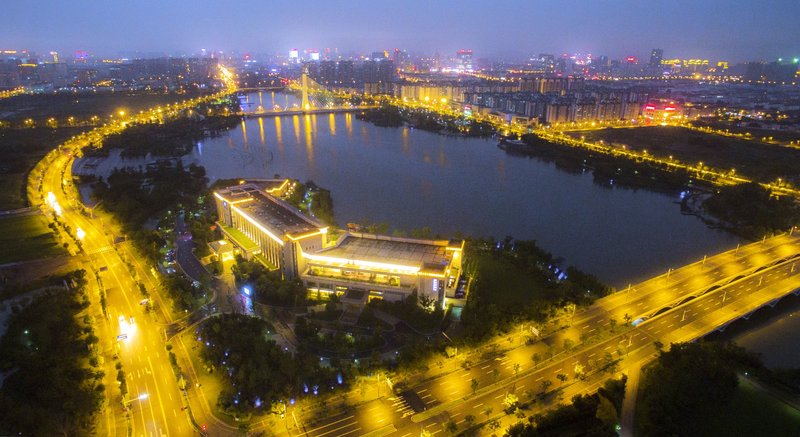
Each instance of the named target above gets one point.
<point>305,105</point>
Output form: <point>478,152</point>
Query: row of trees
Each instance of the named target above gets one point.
<point>49,354</point>
<point>590,415</point>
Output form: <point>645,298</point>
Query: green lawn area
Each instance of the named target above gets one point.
<point>760,161</point>
<point>26,237</point>
<point>751,412</point>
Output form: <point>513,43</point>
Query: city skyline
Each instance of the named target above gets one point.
<point>681,29</point>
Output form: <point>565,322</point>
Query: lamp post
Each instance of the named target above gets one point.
<point>141,397</point>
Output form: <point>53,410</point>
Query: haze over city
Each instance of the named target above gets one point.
<point>330,218</point>
<point>737,30</point>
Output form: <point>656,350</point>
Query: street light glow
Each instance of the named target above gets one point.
<point>80,233</point>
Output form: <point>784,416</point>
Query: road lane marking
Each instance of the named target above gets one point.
<point>478,406</point>
<point>348,432</point>
<point>337,429</point>
<point>332,423</point>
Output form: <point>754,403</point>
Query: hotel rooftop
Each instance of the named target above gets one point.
<point>421,255</point>
<point>277,215</point>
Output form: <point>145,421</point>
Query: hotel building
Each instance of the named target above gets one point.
<point>262,226</point>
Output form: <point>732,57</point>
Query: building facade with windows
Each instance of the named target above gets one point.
<point>263,227</point>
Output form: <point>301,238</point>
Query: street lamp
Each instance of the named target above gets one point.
<point>141,397</point>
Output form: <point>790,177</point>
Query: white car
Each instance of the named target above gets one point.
<point>123,328</point>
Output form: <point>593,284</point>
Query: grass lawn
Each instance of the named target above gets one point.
<point>759,161</point>
<point>751,412</point>
<point>26,237</point>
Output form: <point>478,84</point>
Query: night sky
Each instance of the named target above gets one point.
<point>734,30</point>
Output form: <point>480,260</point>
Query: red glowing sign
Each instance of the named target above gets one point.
<point>650,108</point>
<point>631,59</point>
<point>669,108</point>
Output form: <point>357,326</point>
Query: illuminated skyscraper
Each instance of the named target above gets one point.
<point>464,60</point>
<point>656,55</point>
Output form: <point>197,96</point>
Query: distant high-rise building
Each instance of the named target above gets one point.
<point>400,58</point>
<point>379,56</point>
<point>464,60</point>
<point>294,56</point>
<point>656,55</point>
<point>313,55</point>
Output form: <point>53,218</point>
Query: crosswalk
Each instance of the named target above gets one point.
<point>401,406</point>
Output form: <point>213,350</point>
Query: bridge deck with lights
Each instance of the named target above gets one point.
<point>298,111</point>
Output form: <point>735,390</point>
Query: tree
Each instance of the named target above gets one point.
<point>612,324</point>
<point>495,374</point>
<point>474,385</point>
<point>606,412</point>
<point>568,344</point>
<point>562,377</point>
<point>469,419</point>
<point>516,369</point>
<point>488,411</point>
<point>627,318</point>
<point>451,427</point>
<point>510,402</point>
<point>546,383</point>
<point>536,358</point>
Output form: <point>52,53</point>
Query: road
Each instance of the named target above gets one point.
<point>496,374</point>
<point>145,362</point>
<point>693,320</point>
